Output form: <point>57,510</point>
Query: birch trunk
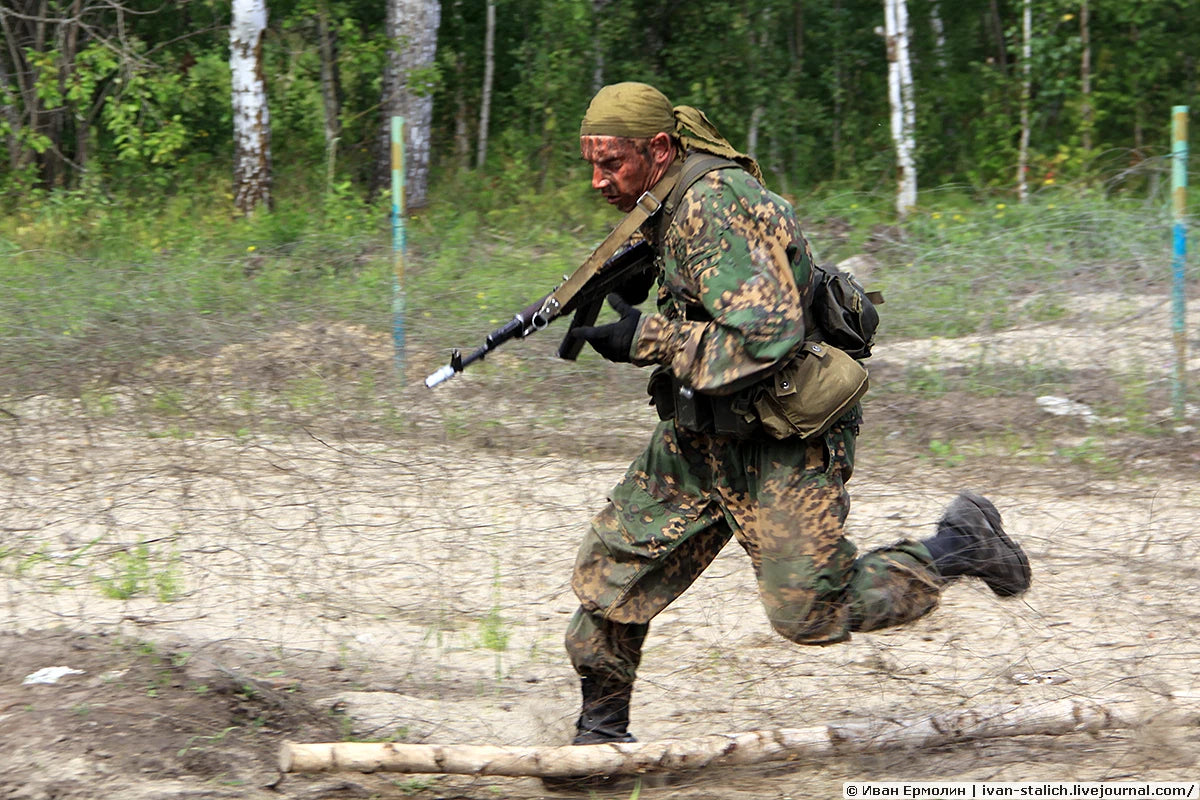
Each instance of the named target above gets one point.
<point>1026,93</point>
<point>412,28</point>
<point>1085,76</point>
<point>900,98</point>
<point>1052,718</point>
<point>251,119</point>
<point>752,134</point>
<point>331,83</point>
<point>489,68</point>
<point>939,34</point>
<point>597,45</point>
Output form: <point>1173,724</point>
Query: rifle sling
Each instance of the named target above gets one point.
<point>647,206</point>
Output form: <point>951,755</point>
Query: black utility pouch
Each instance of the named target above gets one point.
<point>734,416</point>
<point>728,416</point>
<point>693,411</point>
<point>662,393</point>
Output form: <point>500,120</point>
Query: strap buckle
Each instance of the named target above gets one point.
<point>649,203</point>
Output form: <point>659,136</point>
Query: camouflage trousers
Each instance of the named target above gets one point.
<point>786,503</point>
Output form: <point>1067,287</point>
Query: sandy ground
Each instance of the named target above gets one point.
<point>222,588</point>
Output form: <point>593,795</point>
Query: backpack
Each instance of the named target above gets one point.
<point>844,312</point>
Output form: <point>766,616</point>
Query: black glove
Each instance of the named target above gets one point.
<point>614,340</point>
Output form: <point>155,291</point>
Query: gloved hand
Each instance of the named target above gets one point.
<point>637,288</point>
<point>614,340</point>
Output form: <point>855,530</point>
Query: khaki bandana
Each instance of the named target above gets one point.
<point>639,111</point>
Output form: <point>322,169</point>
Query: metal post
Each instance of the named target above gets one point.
<point>1179,153</point>
<point>398,244</point>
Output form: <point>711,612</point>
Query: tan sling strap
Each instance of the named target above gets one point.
<point>696,165</point>
<point>647,206</point>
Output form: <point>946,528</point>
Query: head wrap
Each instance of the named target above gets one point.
<point>639,111</point>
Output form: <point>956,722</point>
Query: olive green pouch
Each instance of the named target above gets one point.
<point>808,395</point>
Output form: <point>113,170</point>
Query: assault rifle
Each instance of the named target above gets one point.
<point>583,293</point>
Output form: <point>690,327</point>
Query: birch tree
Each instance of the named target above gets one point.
<point>331,89</point>
<point>900,100</point>
<point>598,7</point>
<point>1085,77</point>
<point>938,27</point>
<point>1026,96</point>
<point>251,119</point>
<point>489,70</point>
<point>408,83</point>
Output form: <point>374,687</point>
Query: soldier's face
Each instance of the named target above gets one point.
<point>622,169</point>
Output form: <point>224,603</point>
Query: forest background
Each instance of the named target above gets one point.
<point>121,235</point>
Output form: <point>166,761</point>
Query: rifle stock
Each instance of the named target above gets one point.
<point>585,303</point>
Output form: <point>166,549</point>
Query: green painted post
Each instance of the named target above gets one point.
<point>398,244</point>
<point>1179,153</point>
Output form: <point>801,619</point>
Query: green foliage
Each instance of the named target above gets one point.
<point>945,453</point>
<point>972,263</point>
<point>1092,454</point>
<point>142,100</point>
<point>492,633</point>
<point>136,571</point>
<point>412,786</point>
<point>147,274</point>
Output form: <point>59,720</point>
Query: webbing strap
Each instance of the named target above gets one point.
<point>647,206</point>
<point>695,166</point>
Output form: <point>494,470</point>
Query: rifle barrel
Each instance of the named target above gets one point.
<point>517,326</point>
<point>585,302</point>
<point>441,376</point>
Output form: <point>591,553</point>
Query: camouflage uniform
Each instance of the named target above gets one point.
<point>735,280</point>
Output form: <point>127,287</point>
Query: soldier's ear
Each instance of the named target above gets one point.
<point>662,148</point>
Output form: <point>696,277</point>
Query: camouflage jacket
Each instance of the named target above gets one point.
<point>736,278</point>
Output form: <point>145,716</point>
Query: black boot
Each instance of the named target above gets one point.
<point>971,542</point>
<point>605,714</point>
<point>604,719</point>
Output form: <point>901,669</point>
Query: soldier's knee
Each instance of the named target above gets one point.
<point>820,625</point>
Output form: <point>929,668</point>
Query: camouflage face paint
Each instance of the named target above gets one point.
<point>621,168</point>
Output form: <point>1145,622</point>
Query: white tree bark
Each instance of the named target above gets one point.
<point>251,119</point>
<point>903,107</point>
<point>939,33</point>
<point>1026,95</point>
<point>330,78</point>
<point>489,67</point>
<point>598,7</point>
<point>1051,718</point>
<point>407,89</point>
<point>1085,75</point>
<point>752,134</point>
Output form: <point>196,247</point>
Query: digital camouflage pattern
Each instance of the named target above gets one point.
<point>735,254</point>
<point>736,275</point>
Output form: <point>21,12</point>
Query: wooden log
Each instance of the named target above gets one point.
<point>1058,717</point>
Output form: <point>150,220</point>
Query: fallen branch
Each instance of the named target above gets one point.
<point>1053,718</point>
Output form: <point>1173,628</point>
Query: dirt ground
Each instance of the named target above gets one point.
<point>220,583</point>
